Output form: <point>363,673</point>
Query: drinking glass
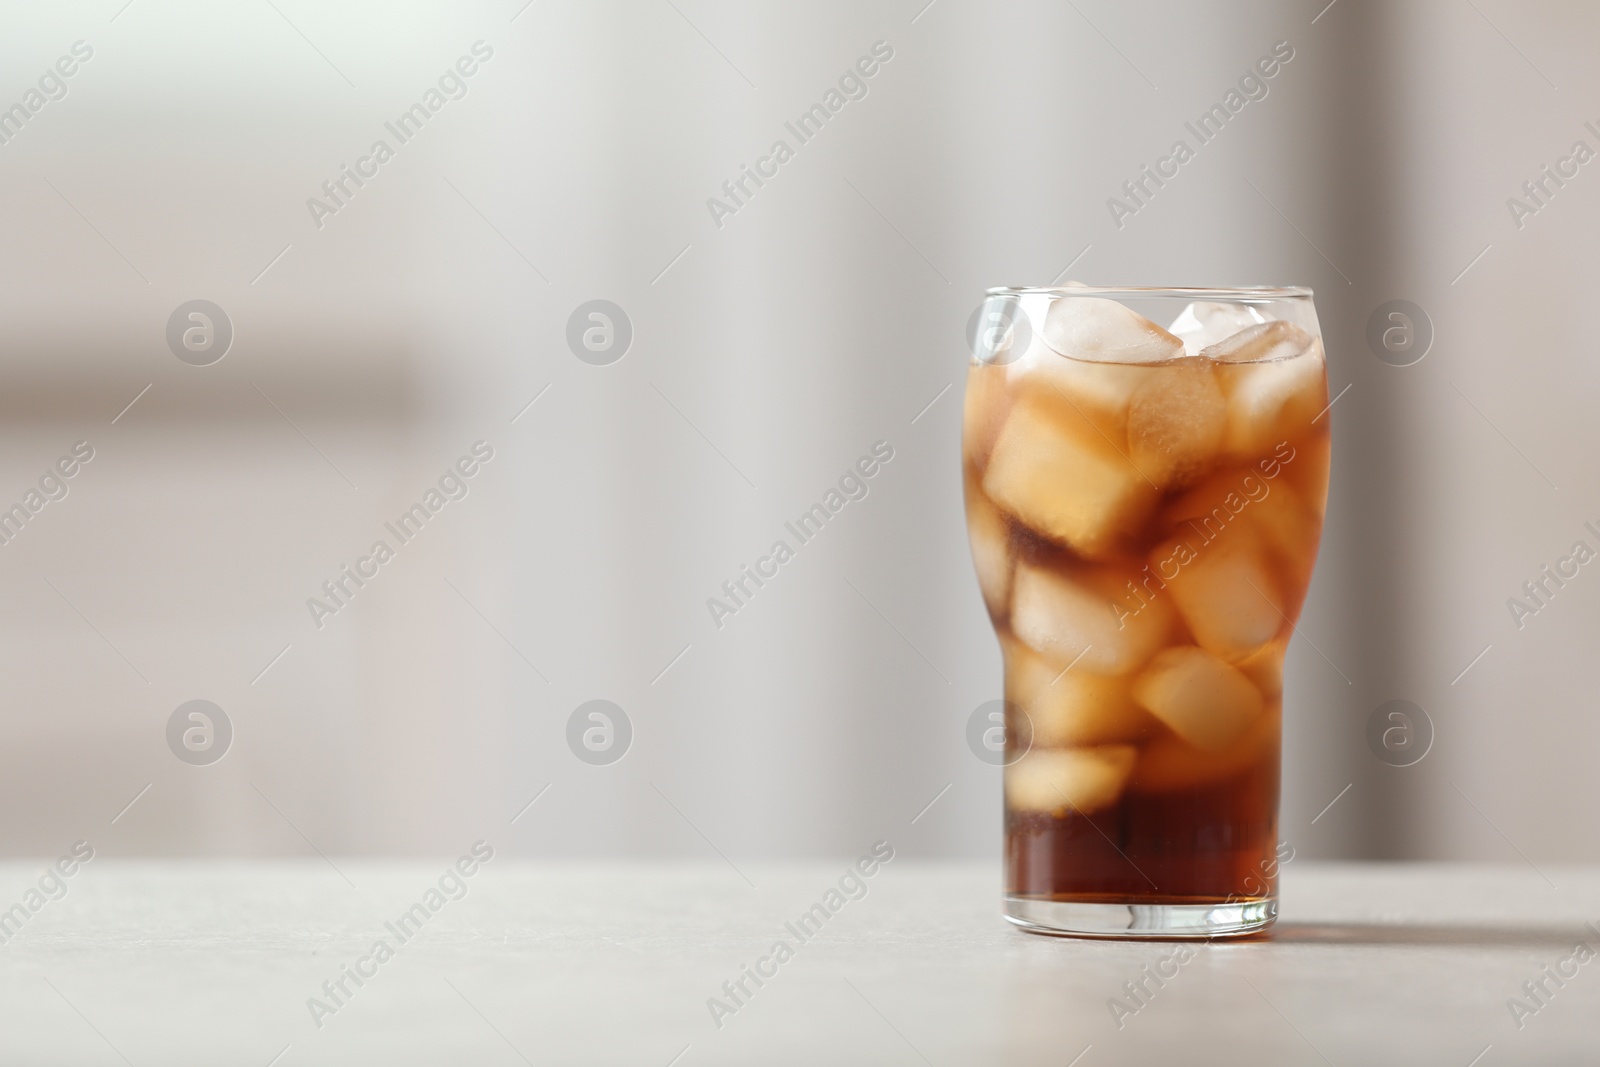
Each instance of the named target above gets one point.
<point>1146,472</point>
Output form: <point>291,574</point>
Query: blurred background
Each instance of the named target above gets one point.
<point>378,338</point>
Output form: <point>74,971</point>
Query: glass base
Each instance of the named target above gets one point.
<point>1067,918</point>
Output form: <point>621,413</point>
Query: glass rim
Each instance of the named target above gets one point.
<point>1135,292</point>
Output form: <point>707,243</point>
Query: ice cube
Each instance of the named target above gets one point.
<point>1059,780</point>
<point>1205,322</point>
<point>1214,503</point>
<point>1265,341</point>
<point>1273,402</point>
<point>1223,587</point>
<point>1201,699</point>
<point>1286,523</point>
<point>1271,505</point>
<point>1264,667</point>
<point>1071,706</point>
<point>1094,328</point>
<point>983,410</point>
<point>1305,465</point>
<point>1089,612</point>
<point>1170,763</point>
<point>1099,391</point>
<point>1056,471</point>
<point>1176,421</point>
<point>990,536</point>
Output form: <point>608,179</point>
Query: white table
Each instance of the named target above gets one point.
<point>212,963</point>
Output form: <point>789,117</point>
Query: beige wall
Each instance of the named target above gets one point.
<point>821,318</point>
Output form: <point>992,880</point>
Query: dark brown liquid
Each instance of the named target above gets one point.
<point>1208,844</point>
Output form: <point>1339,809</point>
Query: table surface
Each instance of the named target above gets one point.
<point>168,963</point>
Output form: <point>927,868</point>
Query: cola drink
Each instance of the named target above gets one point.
<point>1144,505</point>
